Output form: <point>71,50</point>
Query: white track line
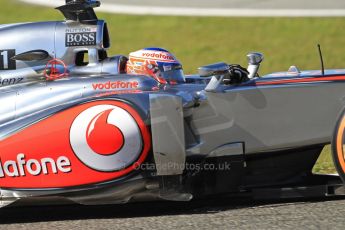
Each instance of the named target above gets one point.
<point>179,11</point>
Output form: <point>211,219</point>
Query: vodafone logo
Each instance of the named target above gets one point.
<point>116,85</point>
<point>159,56</point>
<point>90,143</point>
<point>106,138</point>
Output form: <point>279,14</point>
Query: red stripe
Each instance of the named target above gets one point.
<point>303,80</point>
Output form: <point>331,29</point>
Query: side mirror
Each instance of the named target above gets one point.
<point>214,69</point>
<point>217,71</point>
<point>254,61</point>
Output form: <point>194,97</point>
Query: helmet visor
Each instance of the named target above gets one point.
<point>174,75</point>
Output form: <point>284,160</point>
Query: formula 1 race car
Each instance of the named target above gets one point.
<point>75,126</point>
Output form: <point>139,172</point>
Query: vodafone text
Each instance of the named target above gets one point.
<point>116,85</point>
<point>159,56</point>
<point>22,167</point>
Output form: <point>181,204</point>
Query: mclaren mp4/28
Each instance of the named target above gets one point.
<point>86,131</point>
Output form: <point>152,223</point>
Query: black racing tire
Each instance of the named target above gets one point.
<point>338,146</point>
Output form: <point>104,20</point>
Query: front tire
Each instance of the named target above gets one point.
<point>338,146</point>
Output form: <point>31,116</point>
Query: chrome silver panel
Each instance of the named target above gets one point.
<point>24,100</point>
<point>168,137</point>
<point>269,118</point>
<point>232,149</point>
<point>40,35</point>
<point>52,37</point>
<point>118,192</point>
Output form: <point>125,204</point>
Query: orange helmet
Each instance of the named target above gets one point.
<point>157,63</point>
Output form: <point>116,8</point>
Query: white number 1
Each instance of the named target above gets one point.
<point>5,55</point>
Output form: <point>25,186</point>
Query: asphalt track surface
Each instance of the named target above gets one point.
<point>208,214</point>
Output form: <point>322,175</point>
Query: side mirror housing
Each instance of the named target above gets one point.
<point>217,71</point>
<point>214,69</point>
<point>254,61</point>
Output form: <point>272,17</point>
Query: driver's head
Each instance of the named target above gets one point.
<point>157,63</point>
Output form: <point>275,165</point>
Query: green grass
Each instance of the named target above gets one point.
<point>325,162</point>
<point>198,41</point>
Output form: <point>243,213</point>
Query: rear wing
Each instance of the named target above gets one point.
<point>79,10</point>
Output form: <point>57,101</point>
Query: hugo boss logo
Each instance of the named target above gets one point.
<point>81,37</point>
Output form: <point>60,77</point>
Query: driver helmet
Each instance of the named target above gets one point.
<point>157,63</point>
